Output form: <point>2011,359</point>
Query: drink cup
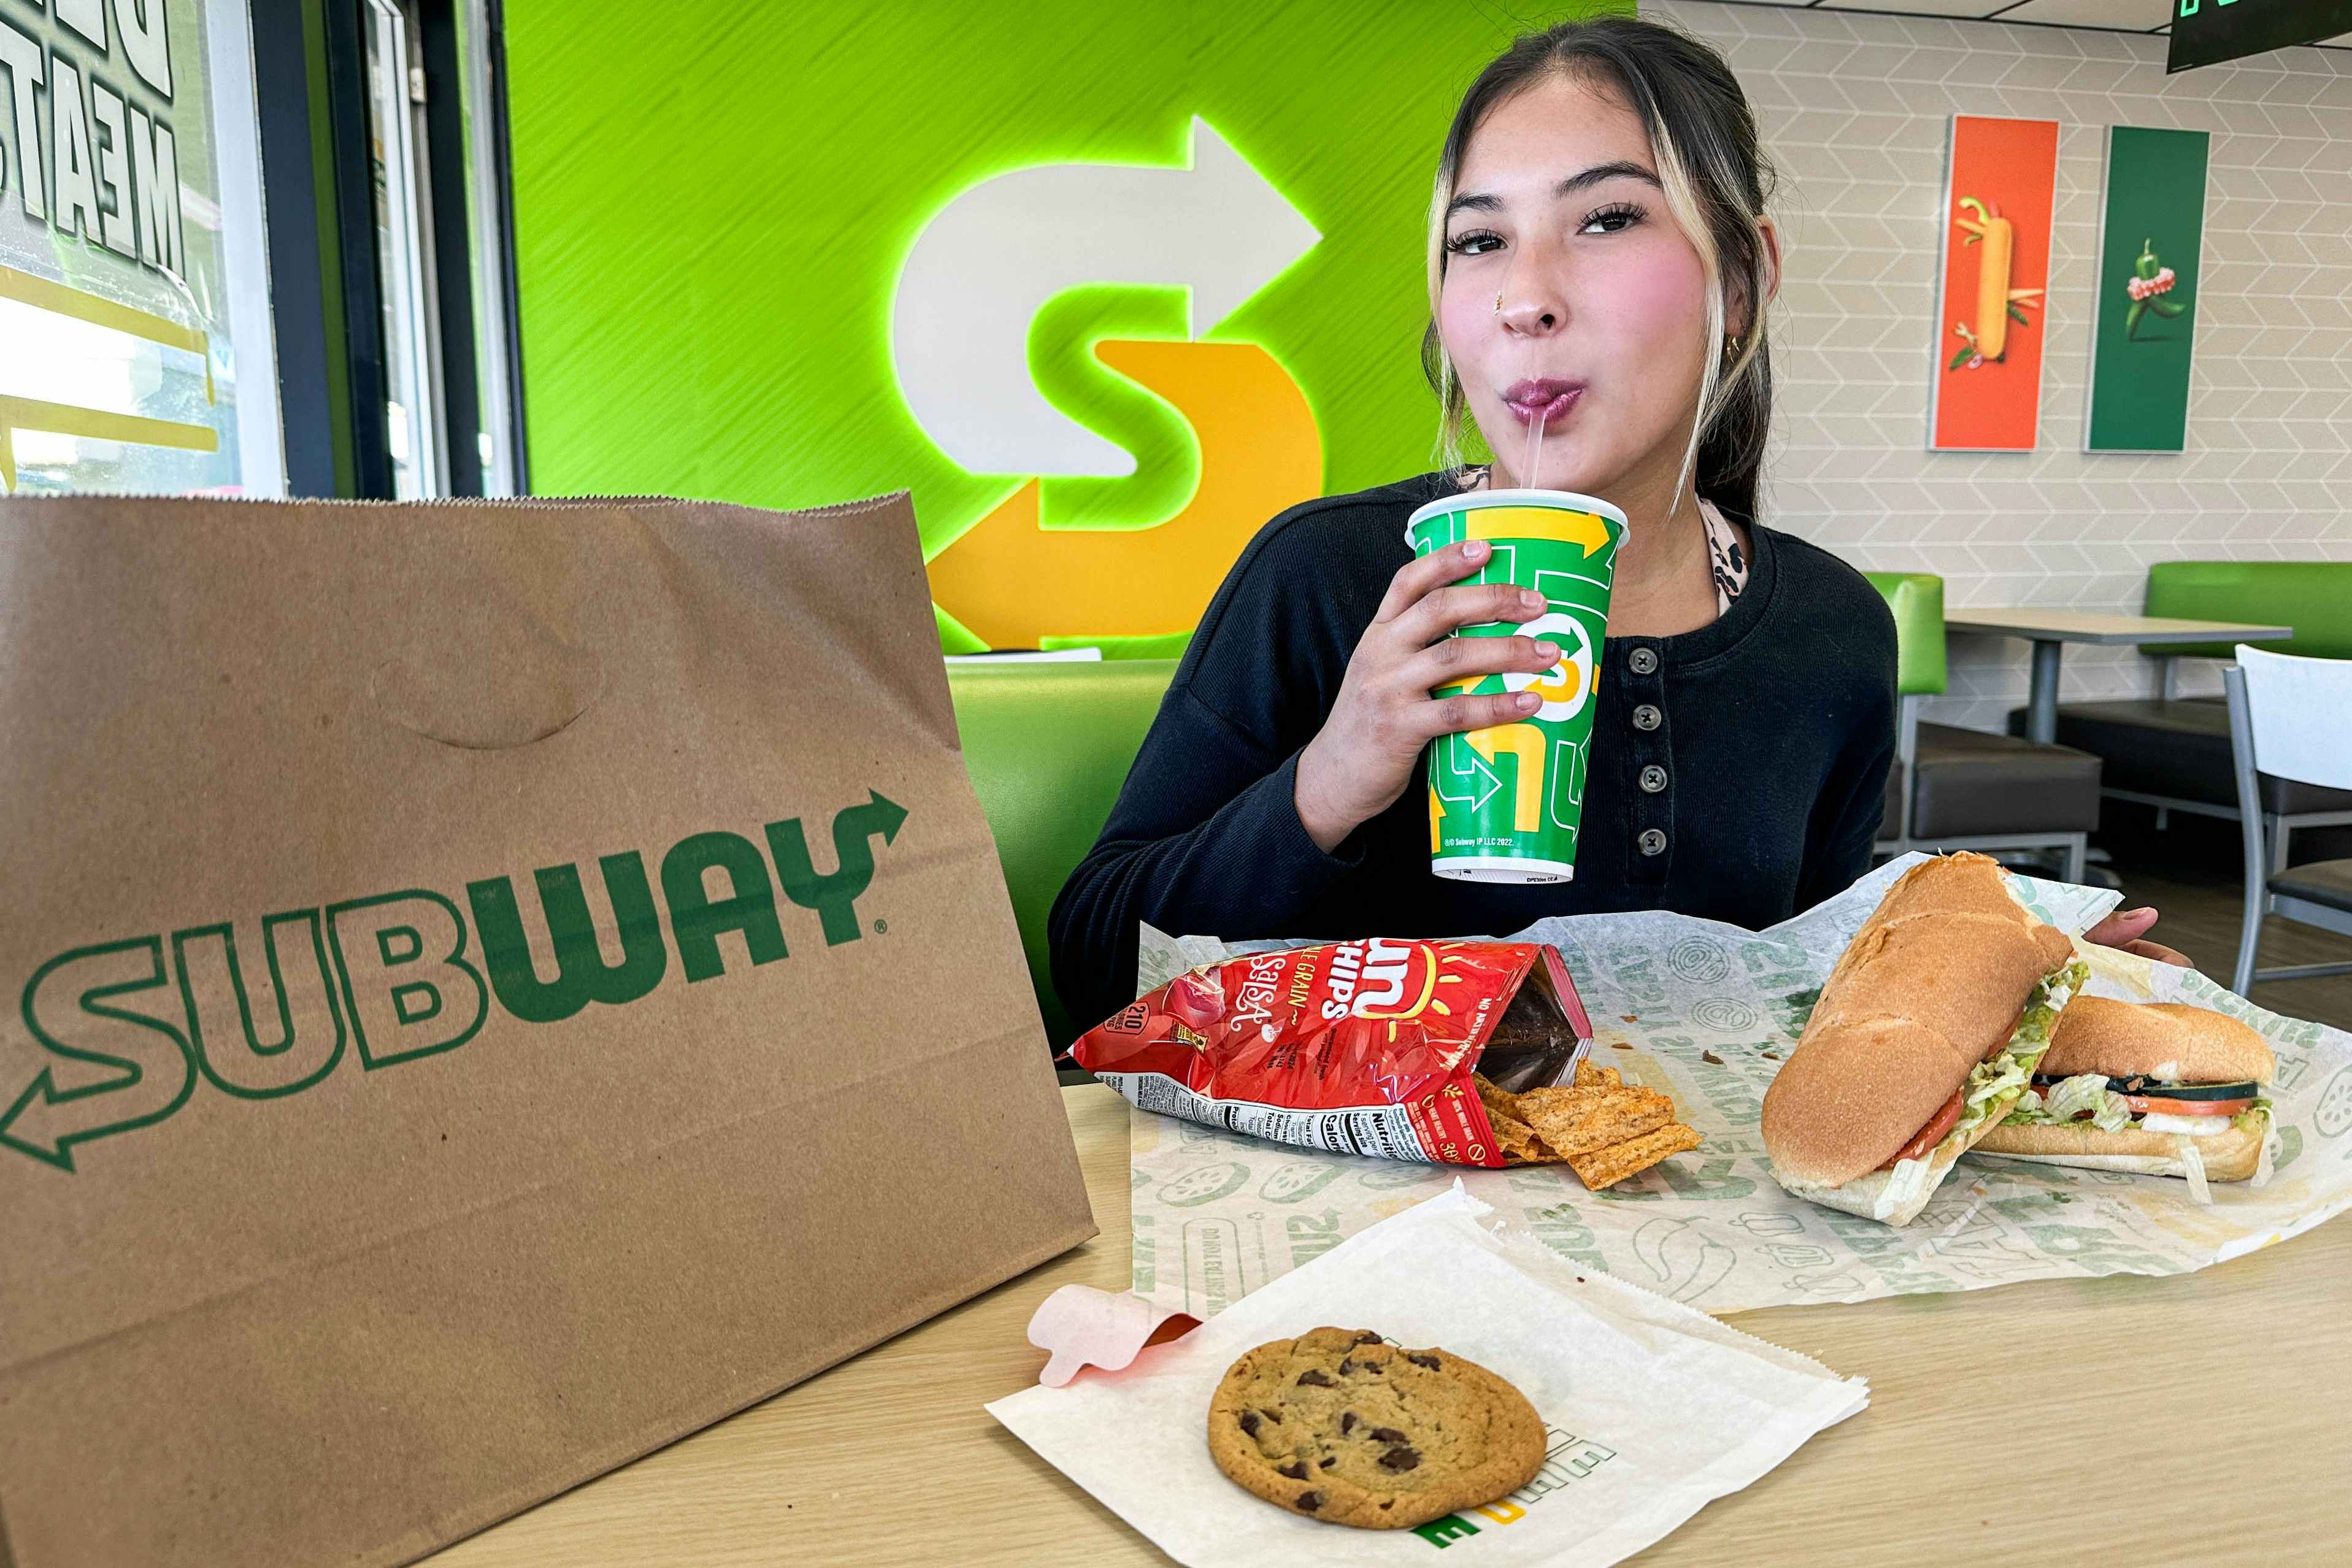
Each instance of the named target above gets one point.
<point>1505,802</point>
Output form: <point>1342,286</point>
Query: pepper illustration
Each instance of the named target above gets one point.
<point>2149,282</point>
<point>1997,302</point>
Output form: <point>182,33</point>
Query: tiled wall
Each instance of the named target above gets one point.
<point>1854,108</point>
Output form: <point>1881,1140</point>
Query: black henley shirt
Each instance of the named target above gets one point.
<point>1738,772</point>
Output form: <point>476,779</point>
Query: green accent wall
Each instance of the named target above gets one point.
<point>712,205</point>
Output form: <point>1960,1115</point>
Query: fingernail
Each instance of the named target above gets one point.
<point>1526,701</point>
<point>1475,550</point>
<point>2135,914</point>
<point>1532,600</point>
<point>1547,650</point>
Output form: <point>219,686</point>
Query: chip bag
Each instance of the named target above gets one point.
<point>1361,1047</point>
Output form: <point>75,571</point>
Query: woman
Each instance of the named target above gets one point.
<point>1601,261</point>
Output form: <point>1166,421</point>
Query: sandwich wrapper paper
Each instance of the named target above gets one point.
<point>1650,1409</point>
<point>1219,1216</point>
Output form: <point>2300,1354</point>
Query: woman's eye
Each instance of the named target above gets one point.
<point>1614,220</point>
<point>1477,242</point>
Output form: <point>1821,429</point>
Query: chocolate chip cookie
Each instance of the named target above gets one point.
<point>1341,1426</point>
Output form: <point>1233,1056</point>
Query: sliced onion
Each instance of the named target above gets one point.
<point>2193,1158</point>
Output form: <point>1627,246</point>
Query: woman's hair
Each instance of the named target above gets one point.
<point>1715,181</point>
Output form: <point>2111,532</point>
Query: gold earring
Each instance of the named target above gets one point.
<point>1731,342</point>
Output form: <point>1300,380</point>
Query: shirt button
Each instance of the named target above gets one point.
<point>1643,661</point>
<point>1646,716</point>
<point>1653,779</point>
<point>1653,842</point>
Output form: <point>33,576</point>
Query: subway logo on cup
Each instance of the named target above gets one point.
<point>128,1027</point>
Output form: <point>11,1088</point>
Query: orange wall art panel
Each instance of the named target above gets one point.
<point>1991,320</point>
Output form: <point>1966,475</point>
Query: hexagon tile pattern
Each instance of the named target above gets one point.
<point>1853,108</point>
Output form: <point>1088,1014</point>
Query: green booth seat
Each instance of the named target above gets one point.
<point>2314,598</point>
<point>1966,789</point>
<point>2174,752</point>
<point>1048,744</point>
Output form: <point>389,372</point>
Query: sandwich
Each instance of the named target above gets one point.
<point>1926,1037</point>
<point>2160,1088</point>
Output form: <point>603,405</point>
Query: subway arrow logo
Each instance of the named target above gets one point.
<point>130,1026</point>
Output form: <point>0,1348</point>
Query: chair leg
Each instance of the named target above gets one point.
<point>2257,856</point>
<point>2279,831</point>
<point>2076,848</point>
<point>2250,935</point>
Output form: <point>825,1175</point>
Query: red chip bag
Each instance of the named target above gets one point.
<point>1364,1047</point>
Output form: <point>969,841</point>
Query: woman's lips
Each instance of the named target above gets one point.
<point>1543,402</point>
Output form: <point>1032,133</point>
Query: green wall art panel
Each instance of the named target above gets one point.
<point>2150,254</point>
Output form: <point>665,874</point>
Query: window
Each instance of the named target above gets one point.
<point>136,342</point>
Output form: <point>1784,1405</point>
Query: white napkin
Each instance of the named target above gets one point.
<point>1651,1408</point>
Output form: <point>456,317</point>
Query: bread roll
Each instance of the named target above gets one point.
<point>1932,986</point>
<point>2231,1155</point>
<point>2166,1040</point>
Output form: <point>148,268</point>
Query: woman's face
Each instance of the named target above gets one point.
<point>1603,330</point>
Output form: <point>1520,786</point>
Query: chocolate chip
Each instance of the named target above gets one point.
<point>1400,1459</point>
<point>1347,1421</point>
<point>1374,1367</point>
<point>1710,1056</point>
<point>1330,1462</point>
<point>1771,1055</point>
<point>1347,1368</point>
<point>1430,1361</point>
<point>1368,1338</point>
<point>1619,1045</point>
<point>1249,1423</point>
<point>1310,1501</point>
<point>1386,1435</point>
<point>1296,1469</point>
<point>1315,1377</point>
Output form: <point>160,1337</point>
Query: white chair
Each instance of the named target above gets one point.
<point>2290,718</point>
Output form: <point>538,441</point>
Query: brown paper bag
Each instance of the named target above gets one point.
<point>489,988</point>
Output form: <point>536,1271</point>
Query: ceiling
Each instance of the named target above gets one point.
<point>2118,16</point>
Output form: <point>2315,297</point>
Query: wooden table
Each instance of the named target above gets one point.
<point>2050,630</point>
<point>2199,1417</point>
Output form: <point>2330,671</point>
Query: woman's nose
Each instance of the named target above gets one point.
<point>1528,312</point>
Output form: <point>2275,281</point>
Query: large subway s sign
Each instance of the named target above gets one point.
<point>2207,32</point>
<point>1046,305</point>
<point>129,1025</point>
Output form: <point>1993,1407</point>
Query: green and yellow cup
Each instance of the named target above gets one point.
<point>1504,803</point>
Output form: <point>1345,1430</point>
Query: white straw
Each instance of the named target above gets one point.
<point>1535,450</point>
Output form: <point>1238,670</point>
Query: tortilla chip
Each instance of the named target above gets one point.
<point>1520,1145</point>
<point>1518,1140</point>
<point>1590,1077</point>
<point>1579,1121</point>
<point>1607,1167</point>
<point>1498,1100</point>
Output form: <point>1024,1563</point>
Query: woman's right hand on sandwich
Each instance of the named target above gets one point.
<point>2126,929</point>
<point>1365,755</point>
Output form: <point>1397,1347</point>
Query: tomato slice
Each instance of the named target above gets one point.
<point>2141,1104</point>
<point>1933,1133</point>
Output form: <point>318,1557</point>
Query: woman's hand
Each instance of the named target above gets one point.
<point>1364,757</point>
<point>2124,930</point>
